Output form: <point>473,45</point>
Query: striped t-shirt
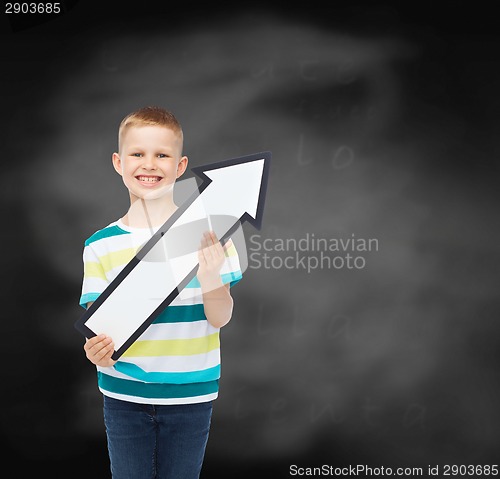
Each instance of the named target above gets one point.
<point>176,360</point>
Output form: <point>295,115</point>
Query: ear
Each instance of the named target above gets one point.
<point>117,163</point>
<point>181,166</point>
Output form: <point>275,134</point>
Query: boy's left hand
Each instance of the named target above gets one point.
<point>210,258</point>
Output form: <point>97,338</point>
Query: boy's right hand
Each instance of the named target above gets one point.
<point>99,350</point>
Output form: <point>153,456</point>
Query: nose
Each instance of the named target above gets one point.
<point>149,162</point>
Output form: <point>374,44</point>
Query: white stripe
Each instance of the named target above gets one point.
<point>176,364</point>
<point>89,255</point>
<point>93,285</point>
<point>195,329</point>
<point>118,242</point>
<point>166,401</point>
<point>191,296</point>
<point>231,265</point>
<point>113,372</point>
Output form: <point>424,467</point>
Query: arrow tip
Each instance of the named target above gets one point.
<point>249,180</point>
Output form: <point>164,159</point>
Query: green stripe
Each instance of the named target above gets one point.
<point>106,233</point>
<point>182,314</point>
<point>155,390</point>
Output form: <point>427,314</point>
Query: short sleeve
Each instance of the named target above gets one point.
<point>231,269</point>
<point>94,277</point>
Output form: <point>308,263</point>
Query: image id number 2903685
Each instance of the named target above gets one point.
<point>32,7</point>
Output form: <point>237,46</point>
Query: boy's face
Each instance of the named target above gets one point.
<point>149,161</point>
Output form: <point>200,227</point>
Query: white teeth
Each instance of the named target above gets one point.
<point>148,179</point>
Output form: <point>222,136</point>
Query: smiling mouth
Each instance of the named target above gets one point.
<point>149,179</point>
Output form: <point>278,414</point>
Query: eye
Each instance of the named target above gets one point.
<point>137,155</point>
<point>162,155</point>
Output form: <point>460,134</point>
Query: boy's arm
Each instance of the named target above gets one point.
<point>217,300</point>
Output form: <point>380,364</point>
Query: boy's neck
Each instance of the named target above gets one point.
<point>149,213</point>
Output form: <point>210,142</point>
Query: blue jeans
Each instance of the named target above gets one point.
<point>147,441</point>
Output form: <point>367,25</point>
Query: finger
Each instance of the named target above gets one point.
<point>91,342</point>
<point>213,237</point>
<point>92,347</point>
<point>204,239</point>
<point>217,252</point>
<point>208,246</point>
<point>108,355</point>
<point>207,252</point>
<point>207,237</point>
<point>215,241</point>
<point>205,242</point>
<point>203,246</point>
<point>100,348</point>
<point>218,247</point>
<point>104,353</point>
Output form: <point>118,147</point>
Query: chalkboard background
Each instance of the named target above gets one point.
<point>383,126</point>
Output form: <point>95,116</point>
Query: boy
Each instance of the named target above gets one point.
<point>158,395</point>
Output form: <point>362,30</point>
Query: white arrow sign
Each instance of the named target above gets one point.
<point>232,191</point>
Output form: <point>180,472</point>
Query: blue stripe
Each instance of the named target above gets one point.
<point>181,314</point>
<point>231,278</point>
<point>136,372</point>
<point>106,233</point>
<point>155,390</point>
<point>87,298</point>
